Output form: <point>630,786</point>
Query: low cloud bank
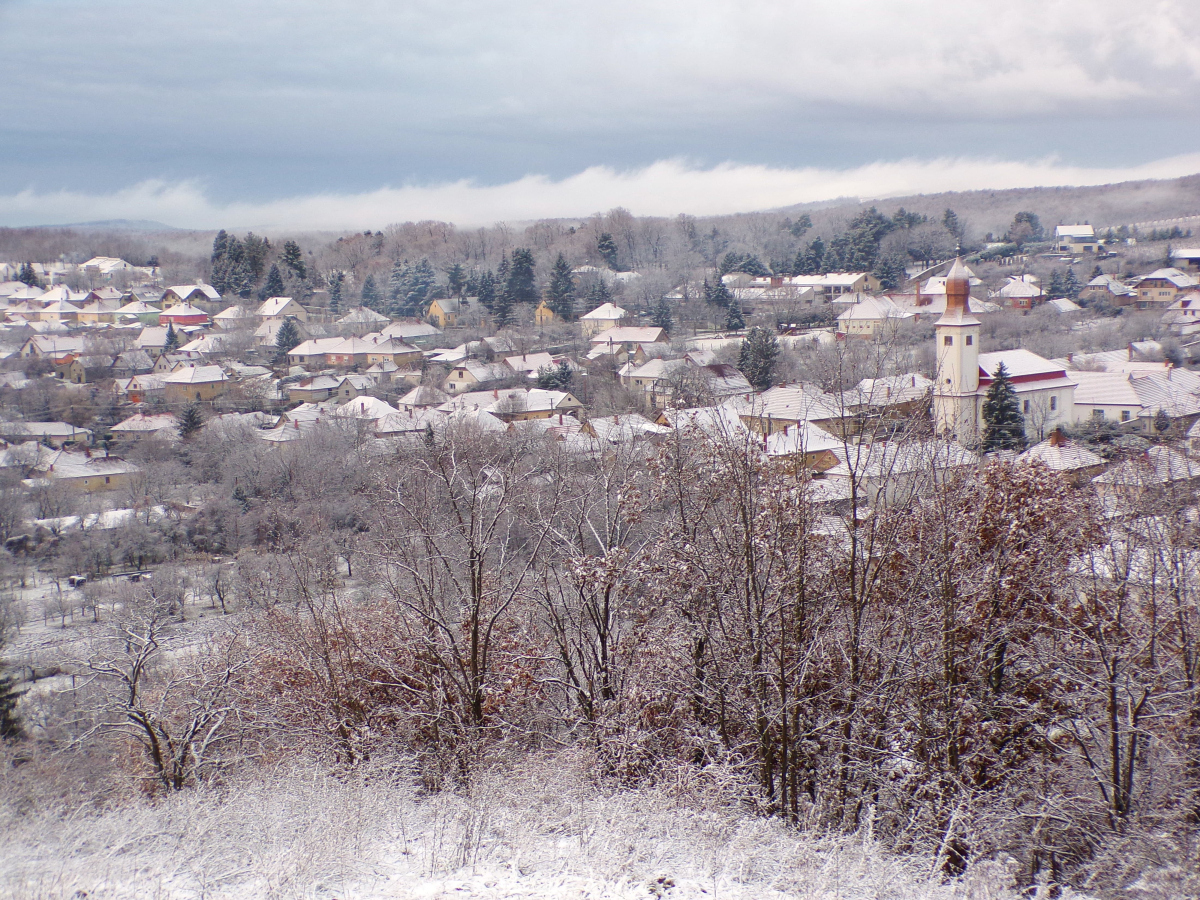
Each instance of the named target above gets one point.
<point>665,188</point>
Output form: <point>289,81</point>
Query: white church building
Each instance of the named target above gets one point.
<point>964,375</point>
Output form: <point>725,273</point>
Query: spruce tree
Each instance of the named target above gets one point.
<point>287,338</point>
<point>172,340</point>
<point>293,259</point>
<point>10,724</point>
<point>661,315</point>
<point>758,357</point>
<point>1056,288</point>
<point>520,285</point>
<point>456,280</point>
<point>607,248</point>
<point>335,293</point>
<point>486,291</point>
<point>1004,425</point>
<point>1097,272</point>
<point>1071,285</point>
<point>189,421</point>
<point>1162,421</point>
<point>734,320</point>
<point>397,287</point>
<point>370,296</point>
<point>717,293</point>
<point>274,284</point>
<point>599,294</point>
<point>28,276</point>
<point>560,292</point>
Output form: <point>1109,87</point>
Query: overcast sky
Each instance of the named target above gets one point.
<point>360,113</point>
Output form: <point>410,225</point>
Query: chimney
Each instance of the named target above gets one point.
<point>914,381</point>
<point>1056,438</point>
<point>296,424</point>
<point>495,393</point>
<point>1070,356</point>
<point>1130,350</point>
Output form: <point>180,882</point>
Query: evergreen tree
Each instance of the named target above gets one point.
<point>1162,421</point>
<point>335,293</point>
<point>758,357</point>
<point>486,292</point>
<point>189,420</point>
<point>456,280</point>
<point>256,250</point>
<point>560,292</point>
<point>716,293</point>
<point>734,320</point>
<point>10,725</point>
<point>811,260</point>
<point>28,276</point>
<point>800,227</point>
<point>952,224</point>
<point>370,296</point>
<point>397,284</point>
<point>519,286</point>
<point>607,248</point>
<point>1071,285</point>
<point>890,271</point>
<point>599,294</point>
<point>502,308</point>
<point>287,338</point>
<point>661,315</point>
<point>1056,288</point>
<point>1097,272</point>
<point>171,342</point>
<point>1004,425</point>
<point>556,378</point>
<point>274,284</point>
<point>220,246</point>
<point>293,259</point>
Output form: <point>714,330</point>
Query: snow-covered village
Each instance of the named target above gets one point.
<point>497,453</point>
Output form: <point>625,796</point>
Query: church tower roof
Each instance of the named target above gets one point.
<point>958,297</point>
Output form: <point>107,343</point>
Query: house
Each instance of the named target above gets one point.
<point>804,446</point>
<point>1106,289</point>
<point>354,351</point>
<point>369,409</point>
<point>234,317</point>
<point>872,317</point>
<point>390,350</point>
<point>834,284</point>
<point>59,311</point>
<point>312,353</point>
<point>602,318</point>
<point>55,434</point>
<point>1064,305</point>
<point>181,314</point>
<point>1076,239</point>
<point>515,404</point>
<point>185,294</point>
<point>87,369</point>
<point>351,386</point>
<point>206,344</point>
<point>1188,258</point>
<point>446,311</point>
<point>1021,292</point>
<point>139,309</point>
<point>97,312</point>
<point>624,430</point>
<point>363,321</point>
<point>195,383</point>
<point>418,334</point>
<point>54,347</point>
<point>423,396</point>
<point>279,308</point>
<point>314,390</point>
<point>1156,468</point>
<point>85,472</point>
<point>470,373</point>
<point>684,382</point>
<point>141,426</point>
<point>132,362</point>
<point>1182,317</point>
<point>1068,458</point>
<point>1134,399</point>
<point>141,388</point>
<point>544,315</point>
<point>267,334</point>
<point>1159,289</point>
<point>529,364</point>
<point>790,404</point>
<point>623,343</point>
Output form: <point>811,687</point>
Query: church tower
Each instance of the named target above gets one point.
<point>955,401</point>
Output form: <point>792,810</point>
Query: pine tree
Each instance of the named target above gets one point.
<point>486,291</point>
<point>1056,288</point>
<point>397,284</point>
<point>520,285</point>
<point>189,421</point>
<point>256,250</point>
<point>502,308</point>
<point>293,259</point>
<point>952,224</point>
<point>220,246</point>
<point>10,724</point>
<point>758,357</point>
<point>812,259</point>
<point>172,339</point>
<point>599,294</point>
<point>716,293</point>
<point>335,293</point>
<point>28,276</point>
<point>607,248</point>
<point>1162,421</point>
<point>734,320</point>
<point>1071,285</point>
<point>370,296</point>
<point>274,284</point>
<point>1004,425</point>
<point>456,280</point>
<point>287,338</point>
<point>560,292</point>
<point>661,315</point>
<point>890,272</point>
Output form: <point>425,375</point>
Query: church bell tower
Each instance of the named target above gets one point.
<point>955,400</point>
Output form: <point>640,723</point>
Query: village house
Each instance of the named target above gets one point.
<point>53,434</point>
<point>195,383</point>
<point>314,390</point>
<point>182,314</point>
<point>1076,239</point>
<point>543,315</point>
<point>361,321</point>
<point>873,317</point>
<point>529,364</point>
<point>185,294</point>
<point>602,318</point>
<point>234,318</point>
<point>1068,458</point>
<point>312,353</point>
<point>1134,399</point>
<point>98,312</point>
<point>351,386</point>
<point>445,312</point>
<point>1187,259</point>
<point>85,472</point>
<point>391,350</point>
<point>140,427</point>
<point>54,347</point>
<point>419,334</point>
<point>1021,292</point>
<point>471,373</point>
<point>87,369</point>
<point>1107,289</point>
<point>625,342</point>
<point>279,308</point>
<point>515,404</point>
<point>1159,289</point>
<point>140,310</point>
<point>141,388</point>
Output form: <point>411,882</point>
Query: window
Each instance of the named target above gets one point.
<point>1126,415</point>
<point>1098,415</point>
<point>1053,404</point>
<point>106,479</point>
<point>948,341</point>
<point>1025,409</point>
<point>970,339</point>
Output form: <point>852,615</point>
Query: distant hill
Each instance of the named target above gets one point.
<point>138,225</point>
<point>1124,203</point>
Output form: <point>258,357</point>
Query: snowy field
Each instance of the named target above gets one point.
<point>541,833</point>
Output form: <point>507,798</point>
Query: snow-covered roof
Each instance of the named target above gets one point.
<point>1061,455</point>
<point>196,375</point>
<point>608,312</point>
<point>1075,231</point>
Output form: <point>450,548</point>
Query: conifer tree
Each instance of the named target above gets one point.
<point>28,276</point>
<point>370,296</point>
<point>661,315</point>
<point>10,724</point>
<point>598,294</point>
<point>716,293</point>
<point>1097,272</point>
<point>1004,425</point>
<point>758,357</point>
<point>456,280</point>
<point>274,284</point>
<point>520,285</point>
<point>293,259</point>
<point>1071,285</point>
<point>397,283</point>
<point>734,320</point>
<point>189,420</point>
<point>1056,288</point>
<point>560,292</point>
<point>607,248</point>
<point>486,291</point>
<point>171,342</point>
<point>335,293</point>
<point>287,338</point>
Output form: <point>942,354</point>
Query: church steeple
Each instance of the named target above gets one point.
<point>954,396</point>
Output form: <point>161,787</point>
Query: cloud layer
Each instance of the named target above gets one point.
<point>665,188</point>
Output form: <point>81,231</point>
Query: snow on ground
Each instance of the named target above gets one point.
<point>541,832</point>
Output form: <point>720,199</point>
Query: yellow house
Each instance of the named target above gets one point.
<point>444,312</point>
<point>544,315</point>
<point>393,351</point>
<point>86,472</point>
<point>190,383</point>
